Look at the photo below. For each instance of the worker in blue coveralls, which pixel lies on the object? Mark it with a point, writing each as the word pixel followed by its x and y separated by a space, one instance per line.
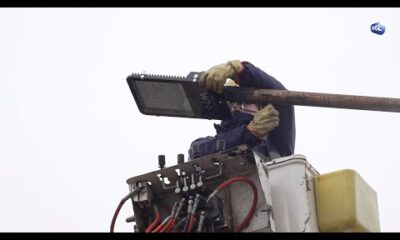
pixel 269 130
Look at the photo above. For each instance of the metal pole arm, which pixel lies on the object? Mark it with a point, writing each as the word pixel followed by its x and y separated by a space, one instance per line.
pixel 285 97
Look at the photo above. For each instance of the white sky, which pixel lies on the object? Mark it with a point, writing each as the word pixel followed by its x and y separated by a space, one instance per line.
pixel 71 134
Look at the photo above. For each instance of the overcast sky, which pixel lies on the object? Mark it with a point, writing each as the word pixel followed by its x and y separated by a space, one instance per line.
pixel 71 134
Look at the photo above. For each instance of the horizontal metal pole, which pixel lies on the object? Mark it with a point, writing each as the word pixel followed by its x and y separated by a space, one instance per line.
pixel 285 97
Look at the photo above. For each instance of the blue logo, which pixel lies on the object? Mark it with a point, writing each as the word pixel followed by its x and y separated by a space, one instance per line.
pixel 378 28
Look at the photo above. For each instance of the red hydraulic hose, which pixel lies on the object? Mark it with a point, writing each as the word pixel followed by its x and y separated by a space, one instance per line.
pixel 161 226
pixel 191 222
pixel 192 215
pixel 164 229
pixel 171 226
pixel 250 214
pixel 158 228
pixel 114 219
pixel 155 221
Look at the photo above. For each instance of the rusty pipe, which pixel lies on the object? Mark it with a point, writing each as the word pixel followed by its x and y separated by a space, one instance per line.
pixel 286 97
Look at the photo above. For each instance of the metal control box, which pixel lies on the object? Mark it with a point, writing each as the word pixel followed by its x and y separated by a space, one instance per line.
pixel 284 186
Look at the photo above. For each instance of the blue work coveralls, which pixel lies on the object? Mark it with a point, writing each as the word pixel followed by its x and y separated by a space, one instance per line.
pixel 234 132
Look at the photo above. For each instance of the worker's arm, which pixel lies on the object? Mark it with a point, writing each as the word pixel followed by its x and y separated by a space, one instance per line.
pixel 248 75
pixel 284 136
pixel 252 76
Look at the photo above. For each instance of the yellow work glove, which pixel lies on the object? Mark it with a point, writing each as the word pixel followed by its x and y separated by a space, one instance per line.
pixel 214 78
pixel 264 121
